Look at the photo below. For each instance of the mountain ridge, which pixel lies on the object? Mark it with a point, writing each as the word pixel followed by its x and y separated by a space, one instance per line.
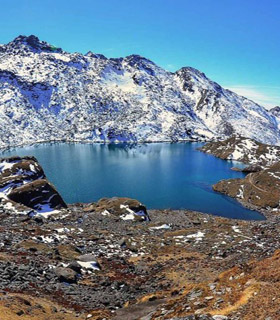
pixel 49 94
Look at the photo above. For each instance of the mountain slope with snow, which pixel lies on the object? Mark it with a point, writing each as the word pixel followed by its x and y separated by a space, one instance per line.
pixel 49 94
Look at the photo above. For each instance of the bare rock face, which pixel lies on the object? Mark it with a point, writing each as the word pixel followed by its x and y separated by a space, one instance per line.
pixel 125 208
pixel 261 189
pixel 23 181
pixel 244 150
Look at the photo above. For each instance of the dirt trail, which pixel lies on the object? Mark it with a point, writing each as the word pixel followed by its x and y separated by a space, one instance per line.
pixel 253 185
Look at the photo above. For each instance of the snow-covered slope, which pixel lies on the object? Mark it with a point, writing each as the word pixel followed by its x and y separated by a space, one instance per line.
pixel 48 94
pixel 276 113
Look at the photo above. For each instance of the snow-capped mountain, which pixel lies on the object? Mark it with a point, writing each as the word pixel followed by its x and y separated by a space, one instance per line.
pixel 49 94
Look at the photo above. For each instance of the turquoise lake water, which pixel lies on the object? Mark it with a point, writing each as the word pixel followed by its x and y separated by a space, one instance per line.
pixel 161 175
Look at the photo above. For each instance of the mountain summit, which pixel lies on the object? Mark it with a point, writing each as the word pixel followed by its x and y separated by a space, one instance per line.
pixel 32 43
pixel 48 94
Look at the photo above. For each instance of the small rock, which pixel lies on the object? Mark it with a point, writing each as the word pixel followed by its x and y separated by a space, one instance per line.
pixel 219 317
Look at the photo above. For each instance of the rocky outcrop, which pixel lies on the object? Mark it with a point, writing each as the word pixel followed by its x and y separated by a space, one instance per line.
pixel 23 181
pixel 125 208
pixel 37 194
pixel 15 170
pixel 260 189
pixel 248 169
pixel 275 111
pixel 244 150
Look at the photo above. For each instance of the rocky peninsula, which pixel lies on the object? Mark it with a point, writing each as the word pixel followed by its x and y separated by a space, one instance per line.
pixel 260 188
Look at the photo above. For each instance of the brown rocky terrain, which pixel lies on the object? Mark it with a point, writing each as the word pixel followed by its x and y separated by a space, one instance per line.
pixel 260 189
pixel 180 265
pixel 244 150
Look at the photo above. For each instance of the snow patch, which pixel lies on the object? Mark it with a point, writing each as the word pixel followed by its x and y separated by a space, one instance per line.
pixel 92 265
pixel 164 226
pixel 236 229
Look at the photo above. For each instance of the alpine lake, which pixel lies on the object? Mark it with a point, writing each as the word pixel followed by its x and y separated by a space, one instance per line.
pixel 160 175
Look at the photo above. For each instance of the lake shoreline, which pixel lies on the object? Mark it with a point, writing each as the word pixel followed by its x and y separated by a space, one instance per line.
pixel 67 141
pixel 182 176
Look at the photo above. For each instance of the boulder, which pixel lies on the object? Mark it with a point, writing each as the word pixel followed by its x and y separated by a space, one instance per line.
pixel 75 266
pixel 86 257
pixel 37 194
pixel 25 166
pixel 24 183
pixel 88 261
pixel 125 208
pixel 66 275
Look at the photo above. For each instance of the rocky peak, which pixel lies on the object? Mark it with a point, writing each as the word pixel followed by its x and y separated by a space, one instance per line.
pixel 137 59
pixel 95 55
pixel 141 63
pixel 32 43
pixel 275 111
pixel 190 76
pixel 186 71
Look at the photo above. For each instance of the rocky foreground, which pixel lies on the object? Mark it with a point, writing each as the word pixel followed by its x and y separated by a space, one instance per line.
pixel 89 263
pixel 115 260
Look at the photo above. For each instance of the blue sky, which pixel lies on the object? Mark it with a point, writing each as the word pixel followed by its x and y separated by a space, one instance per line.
pixel 235 42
